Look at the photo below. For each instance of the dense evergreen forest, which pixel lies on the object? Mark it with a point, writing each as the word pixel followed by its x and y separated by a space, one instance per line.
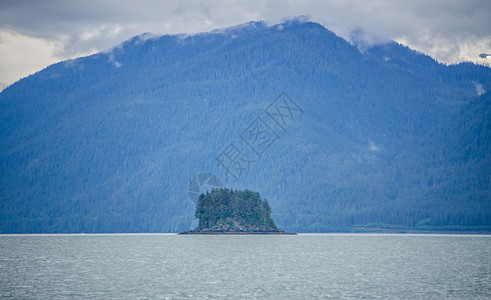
pixel 388 138
pixel 226 210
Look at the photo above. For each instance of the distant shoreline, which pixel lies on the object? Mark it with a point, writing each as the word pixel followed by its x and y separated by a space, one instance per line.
pixel 456 233
pixel 412 231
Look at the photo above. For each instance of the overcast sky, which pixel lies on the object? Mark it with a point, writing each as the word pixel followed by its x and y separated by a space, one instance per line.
pixel 35 34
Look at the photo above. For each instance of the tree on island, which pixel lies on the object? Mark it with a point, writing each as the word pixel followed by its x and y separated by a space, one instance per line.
pixel 224 210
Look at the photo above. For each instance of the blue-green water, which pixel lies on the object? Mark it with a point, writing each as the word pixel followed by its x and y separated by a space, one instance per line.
pixel 273 267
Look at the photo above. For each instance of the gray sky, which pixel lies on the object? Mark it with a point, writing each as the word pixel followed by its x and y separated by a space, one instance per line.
pixel 34 34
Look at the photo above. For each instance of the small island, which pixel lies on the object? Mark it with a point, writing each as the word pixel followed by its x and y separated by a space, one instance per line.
pixel 225 211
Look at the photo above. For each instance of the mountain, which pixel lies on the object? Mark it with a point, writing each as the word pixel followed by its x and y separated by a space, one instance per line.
pixel 336 139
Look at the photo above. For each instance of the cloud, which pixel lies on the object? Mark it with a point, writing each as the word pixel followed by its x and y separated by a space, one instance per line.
pixel 113 60
pixel 479 88
pixel 22 55
pixel 449 30
pixel 373 147
pixel 363 40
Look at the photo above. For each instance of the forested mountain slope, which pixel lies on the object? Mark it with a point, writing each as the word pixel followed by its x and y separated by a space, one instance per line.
pixel 385 137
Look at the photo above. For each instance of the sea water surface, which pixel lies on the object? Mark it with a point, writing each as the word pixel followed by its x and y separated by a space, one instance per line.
pixel 337 266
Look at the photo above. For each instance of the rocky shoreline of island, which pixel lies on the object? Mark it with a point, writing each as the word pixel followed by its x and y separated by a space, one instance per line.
pixel 237 233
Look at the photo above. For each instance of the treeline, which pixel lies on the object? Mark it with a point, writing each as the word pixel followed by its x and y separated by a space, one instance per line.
pixel 244 207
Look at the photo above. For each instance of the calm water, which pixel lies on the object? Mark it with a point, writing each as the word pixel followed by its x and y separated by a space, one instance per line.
pixel 296 267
